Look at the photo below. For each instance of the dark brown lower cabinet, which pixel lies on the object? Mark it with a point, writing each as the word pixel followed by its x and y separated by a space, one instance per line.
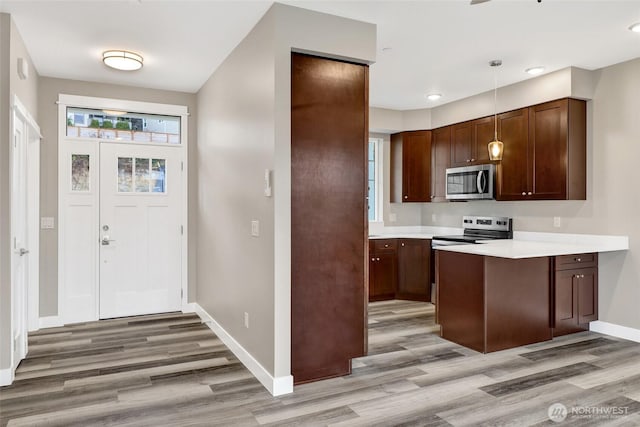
pixel 329 134
pixel 382 276
pixel 489 303
pixel 575 293
pixel 414 277
pixel 400 269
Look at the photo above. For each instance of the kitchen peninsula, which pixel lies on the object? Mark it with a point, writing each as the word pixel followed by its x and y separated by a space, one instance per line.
pixel 500 294
pixel 503 294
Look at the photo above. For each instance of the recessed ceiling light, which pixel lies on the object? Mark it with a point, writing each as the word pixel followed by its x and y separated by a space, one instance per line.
pixel 434 96
pixel 635 27
pixel 534 71
pixel 122 60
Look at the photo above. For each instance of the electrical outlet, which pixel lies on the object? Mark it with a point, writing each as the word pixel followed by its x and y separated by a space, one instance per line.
pixel 246 320
pixel 556 221
pixel 255 228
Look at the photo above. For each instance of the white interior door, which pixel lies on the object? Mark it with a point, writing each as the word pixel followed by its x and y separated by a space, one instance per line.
pixel 20 252
pixel 140 230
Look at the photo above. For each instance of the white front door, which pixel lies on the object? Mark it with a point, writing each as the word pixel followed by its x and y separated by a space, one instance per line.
pixel 140 229
pixel 20 252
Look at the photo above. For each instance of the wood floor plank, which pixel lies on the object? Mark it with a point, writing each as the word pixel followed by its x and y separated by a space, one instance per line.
pixel 171 370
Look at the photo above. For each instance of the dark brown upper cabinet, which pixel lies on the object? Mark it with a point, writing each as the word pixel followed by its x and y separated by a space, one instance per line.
pixel 440 161
pixel 469 142
pixel 513 173
pixel 545 152
pixel 411 166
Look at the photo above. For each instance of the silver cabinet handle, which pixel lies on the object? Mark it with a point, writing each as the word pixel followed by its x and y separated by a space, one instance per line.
pixel 578 259
pixel 402 244
pixel 473 160
pixel 530 193
pixel 406 197
pixel 23 251
pixel 524 193
pixel 377 259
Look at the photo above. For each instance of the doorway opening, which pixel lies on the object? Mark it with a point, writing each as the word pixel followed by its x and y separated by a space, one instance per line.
pixel 122 192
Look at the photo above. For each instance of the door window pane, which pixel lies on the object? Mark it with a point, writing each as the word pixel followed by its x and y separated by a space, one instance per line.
pixel 158 174
pixel 123 126
pixel 80 172
pixel 142 175
pixel 125 176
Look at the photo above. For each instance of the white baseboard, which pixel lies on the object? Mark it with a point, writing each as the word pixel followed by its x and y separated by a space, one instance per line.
pixel 6 376
pixel 275 385
pixel 50 322
pixel 614 330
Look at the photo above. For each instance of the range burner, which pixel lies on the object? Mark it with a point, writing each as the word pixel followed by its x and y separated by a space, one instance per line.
pixel 477 228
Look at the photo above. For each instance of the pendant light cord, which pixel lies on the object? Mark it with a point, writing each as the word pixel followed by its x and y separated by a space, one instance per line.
pixel 495 103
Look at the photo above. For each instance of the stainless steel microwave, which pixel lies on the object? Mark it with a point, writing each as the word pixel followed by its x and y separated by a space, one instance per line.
pixel 471 182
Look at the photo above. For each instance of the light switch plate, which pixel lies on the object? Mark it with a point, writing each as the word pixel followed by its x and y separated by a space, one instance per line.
pixel 255 228
pixel 47 223
pixel 557 222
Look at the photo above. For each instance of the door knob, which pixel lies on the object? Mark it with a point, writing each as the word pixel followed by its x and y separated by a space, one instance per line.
pixel 23 251
pixel 105 240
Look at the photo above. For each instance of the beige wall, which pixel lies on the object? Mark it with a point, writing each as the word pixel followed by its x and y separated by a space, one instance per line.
pixel 11 48
pixel 244 128
pixel 49 89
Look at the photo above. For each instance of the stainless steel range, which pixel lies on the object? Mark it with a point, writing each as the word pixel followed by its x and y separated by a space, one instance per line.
pixel 476 229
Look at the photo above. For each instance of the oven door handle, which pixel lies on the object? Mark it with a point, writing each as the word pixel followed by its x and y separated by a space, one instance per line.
pixel 480 182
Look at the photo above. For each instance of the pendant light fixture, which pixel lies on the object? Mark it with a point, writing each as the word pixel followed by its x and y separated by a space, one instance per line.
pixel 496 147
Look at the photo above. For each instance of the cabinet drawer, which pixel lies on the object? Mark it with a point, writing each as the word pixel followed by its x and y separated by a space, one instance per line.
pixel 381 245
pixel 568 262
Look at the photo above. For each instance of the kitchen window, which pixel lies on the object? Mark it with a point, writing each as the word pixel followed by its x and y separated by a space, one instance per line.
pixel 374 182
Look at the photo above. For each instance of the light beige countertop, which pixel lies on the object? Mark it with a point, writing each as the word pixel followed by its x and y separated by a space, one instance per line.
pixel 523 244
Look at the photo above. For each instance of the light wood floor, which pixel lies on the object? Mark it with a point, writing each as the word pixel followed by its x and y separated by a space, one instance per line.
pixel 172 370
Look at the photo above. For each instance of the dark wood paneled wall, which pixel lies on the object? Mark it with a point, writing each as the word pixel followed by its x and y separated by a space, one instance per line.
pixel 329 134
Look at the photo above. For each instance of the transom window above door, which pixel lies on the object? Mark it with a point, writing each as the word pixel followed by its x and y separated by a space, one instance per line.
pixel 122 126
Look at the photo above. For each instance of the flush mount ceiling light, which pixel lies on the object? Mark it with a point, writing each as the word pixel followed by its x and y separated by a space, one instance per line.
pixel 635 27
pixel 534 71
pixel 496 147
pixel 122 60
pixel 434 96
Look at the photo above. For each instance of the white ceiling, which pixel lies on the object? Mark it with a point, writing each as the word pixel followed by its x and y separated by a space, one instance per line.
pixel 437 46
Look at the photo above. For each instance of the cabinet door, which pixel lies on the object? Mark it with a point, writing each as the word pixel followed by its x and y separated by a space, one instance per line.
pixel 566 301
pixel 461 144
pixel 514 171
pixel 414 257
pixel 385 276
pixel 587 295
pixel 548 139
pixel 416 166
pixel 440 159
pixel 483 133
pixel 372 260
